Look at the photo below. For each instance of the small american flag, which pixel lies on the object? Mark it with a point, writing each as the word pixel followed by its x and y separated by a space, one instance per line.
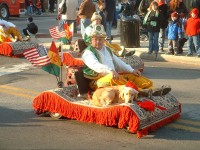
pixel 56 34
pixel 37 56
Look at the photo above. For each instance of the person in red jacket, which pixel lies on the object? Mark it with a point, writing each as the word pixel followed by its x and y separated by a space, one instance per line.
pixel 192 28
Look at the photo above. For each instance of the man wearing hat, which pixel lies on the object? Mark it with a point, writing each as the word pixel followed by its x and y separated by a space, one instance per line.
pixel 117 50
pixel 105 68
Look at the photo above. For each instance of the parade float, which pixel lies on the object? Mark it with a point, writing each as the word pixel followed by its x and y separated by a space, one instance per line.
pixel 67 101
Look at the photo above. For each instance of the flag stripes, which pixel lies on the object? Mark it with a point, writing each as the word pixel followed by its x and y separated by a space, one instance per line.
pixel 33 56
pixel 55 33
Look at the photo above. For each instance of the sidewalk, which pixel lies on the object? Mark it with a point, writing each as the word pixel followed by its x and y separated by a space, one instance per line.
pixel 140 51
pixel 44 14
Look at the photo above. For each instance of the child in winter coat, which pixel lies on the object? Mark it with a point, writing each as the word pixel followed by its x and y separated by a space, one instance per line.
pixel 192 28
pixel 173 31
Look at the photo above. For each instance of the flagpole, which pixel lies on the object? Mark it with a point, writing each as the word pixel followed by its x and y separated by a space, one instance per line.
pixel 60 51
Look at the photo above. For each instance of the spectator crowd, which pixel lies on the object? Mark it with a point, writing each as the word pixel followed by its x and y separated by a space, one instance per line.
pixel 162 19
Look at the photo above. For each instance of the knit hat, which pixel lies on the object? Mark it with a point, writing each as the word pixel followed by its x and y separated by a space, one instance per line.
pixel 132 86
pixel 96 16
pixel 30 19
pixel 98 31
pixel 174 14
pixel 195 11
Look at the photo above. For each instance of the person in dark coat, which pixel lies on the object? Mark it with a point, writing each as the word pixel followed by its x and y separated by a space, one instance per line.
pixel 51 6
pixel 109 15
pixel 177 6
pixel 125 9
pixel 163 9
pixel 101 7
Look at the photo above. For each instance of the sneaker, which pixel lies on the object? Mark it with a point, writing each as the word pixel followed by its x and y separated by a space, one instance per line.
pixel 27 38
pixel 149 52
pixel 161 50
pixel 198 56
pixel 189 55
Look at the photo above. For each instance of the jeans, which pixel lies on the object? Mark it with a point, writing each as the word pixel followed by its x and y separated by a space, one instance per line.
pixel 39 11
pixel 161 38
pixel 193 41
pixel 29 10
pixel 108 28
pixel 153 41
pixel 84 23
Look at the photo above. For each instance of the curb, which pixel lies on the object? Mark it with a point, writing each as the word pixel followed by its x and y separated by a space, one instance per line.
pixel 168 58
pixel 47 14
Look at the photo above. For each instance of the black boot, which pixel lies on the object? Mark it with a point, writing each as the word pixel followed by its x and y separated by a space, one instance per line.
pixel 161 91
pixel 130 53
pixel 165 89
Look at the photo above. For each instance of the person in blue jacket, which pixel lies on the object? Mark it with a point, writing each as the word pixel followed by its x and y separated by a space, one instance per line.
pixel 173 31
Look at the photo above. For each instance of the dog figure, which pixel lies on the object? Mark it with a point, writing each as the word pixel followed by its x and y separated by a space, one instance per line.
pixel 103 97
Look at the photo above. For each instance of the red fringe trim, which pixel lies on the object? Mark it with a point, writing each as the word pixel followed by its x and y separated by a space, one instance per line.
pixel 120 116
pixel 157 125
pixel 5 49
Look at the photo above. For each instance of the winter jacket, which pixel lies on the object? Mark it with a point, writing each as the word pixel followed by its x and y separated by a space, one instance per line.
pixel 86 9
pixel 174 30
pixel 192 25
pixel 164 9
pixel 153 21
